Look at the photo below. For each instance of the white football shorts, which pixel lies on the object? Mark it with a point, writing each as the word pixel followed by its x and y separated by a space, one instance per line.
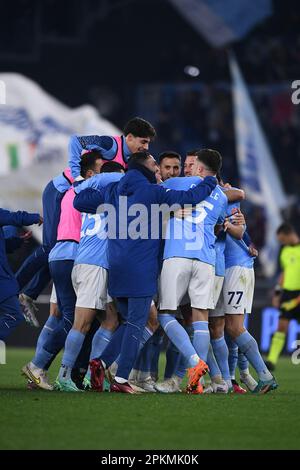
pixel 237 293
pixel 183 275
pixel 90 285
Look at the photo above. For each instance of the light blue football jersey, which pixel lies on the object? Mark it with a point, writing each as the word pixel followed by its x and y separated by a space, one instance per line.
pixel 92 247
pixel 99 181
pixel 220 257
pixel 61 183
pixel 193 237
pixel 236 251
pixel 63 251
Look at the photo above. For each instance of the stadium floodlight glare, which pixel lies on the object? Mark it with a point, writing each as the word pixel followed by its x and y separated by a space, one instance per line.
pixel 191 70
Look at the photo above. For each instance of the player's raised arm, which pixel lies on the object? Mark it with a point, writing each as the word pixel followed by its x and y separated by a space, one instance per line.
pixel 99 181
pixel 193 196
pixel 234 194
pixel 105 144
pixel 89 200
pixel 235 224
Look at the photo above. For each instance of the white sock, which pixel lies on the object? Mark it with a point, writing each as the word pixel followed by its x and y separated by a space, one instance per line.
pixel 33 366
pixel 194 359
pixel 229 383
pixel 265 375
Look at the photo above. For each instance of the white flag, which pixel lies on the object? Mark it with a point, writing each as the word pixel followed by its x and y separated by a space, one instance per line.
pixel 221 22
pixel 35 129
pixel 258 173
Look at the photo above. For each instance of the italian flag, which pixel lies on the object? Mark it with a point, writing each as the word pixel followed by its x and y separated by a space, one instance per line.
pixel 13 155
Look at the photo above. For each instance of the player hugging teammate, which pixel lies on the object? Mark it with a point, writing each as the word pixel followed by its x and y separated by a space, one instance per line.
pixel 105 311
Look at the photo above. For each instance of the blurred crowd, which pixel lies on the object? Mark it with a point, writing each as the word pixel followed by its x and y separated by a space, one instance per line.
pixel 190 112
pixel 188 116
pixel 191 115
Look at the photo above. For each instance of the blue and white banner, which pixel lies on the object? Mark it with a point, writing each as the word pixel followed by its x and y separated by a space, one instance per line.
pixel 258 173
pixel 35 129
pixel 223 21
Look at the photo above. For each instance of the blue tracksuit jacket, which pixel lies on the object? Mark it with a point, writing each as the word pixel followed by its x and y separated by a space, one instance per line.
pixel 134 263
pixel 8 283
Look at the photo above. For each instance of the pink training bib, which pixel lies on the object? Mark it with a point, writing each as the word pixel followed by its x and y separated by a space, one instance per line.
pixel 119 158
pixel 70 219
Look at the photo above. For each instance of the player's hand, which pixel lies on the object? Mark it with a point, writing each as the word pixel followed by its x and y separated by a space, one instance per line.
pixel 182 213
pixel 226 225
pixel 40 221
pixel 253 251
pixel 237 217
pixel 26 236
pixel 225 185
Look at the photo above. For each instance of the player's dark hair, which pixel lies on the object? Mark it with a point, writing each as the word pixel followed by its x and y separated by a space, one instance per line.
pixel 192 153
pixel 139 128
pixel 88 161
pixel 169 154
pixel 138 158
pixel 137 162
pixel 211 158
pixel 285 228
pixel 110 167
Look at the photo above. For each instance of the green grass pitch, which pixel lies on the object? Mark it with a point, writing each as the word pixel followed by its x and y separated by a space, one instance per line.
pixel 55 420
